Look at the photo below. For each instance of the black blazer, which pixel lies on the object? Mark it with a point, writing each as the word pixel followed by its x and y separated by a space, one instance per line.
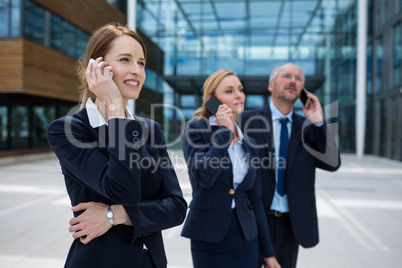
pixel 205 149
pixel 124 163
pixel 309 148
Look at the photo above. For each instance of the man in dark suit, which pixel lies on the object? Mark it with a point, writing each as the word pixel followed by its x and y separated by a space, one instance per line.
pixel 291 148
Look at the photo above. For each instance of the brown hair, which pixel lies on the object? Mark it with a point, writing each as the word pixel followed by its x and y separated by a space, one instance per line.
pixel 98 45
pixel 209 88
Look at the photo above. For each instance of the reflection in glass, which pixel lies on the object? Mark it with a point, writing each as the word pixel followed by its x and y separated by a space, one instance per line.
pixel 64 37
pixel 15 18
pixel 56 33
pixel 68 39
pixel 254 101
pixel 369 68
pixel 187 101
pixel 3 127
pixel 19 134
pixel 379 64
pixel 397 54
pixel 81 42
pixel 41 118
pixel 34 22
pixel 4 17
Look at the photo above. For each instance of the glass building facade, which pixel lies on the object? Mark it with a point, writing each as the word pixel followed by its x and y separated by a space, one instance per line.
pixel 250 37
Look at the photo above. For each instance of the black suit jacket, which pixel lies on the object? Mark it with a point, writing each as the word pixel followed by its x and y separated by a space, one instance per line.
pixel 124 163
pixel 310 147
pixel 205 149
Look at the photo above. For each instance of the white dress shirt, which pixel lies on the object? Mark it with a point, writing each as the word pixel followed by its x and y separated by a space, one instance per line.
pixel 237 156
pixel 95 117
pixel 279 203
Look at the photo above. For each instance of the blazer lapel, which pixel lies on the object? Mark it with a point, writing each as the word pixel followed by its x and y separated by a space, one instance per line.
pixel 230 168
pixel 99 134
pixel 269 138
pixel 249 155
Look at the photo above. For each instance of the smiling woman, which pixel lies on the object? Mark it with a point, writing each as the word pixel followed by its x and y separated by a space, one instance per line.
pixel 120 209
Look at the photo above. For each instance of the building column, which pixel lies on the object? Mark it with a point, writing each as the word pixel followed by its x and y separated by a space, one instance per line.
pixel 132 24
pixel 361 77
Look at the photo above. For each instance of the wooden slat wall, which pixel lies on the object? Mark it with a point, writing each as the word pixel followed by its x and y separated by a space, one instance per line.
pixel 86 14
pixel 48 73
pixel 11 65
pixel 29 68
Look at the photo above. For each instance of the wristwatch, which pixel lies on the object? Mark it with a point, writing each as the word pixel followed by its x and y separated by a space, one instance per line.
pixel 109 215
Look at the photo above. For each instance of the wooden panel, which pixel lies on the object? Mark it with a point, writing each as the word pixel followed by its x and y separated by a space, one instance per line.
pixel 11 65
pixel 48 73
pixel 86 14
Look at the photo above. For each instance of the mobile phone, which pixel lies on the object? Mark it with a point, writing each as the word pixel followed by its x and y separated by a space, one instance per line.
pixel 213 104
pixel 304 99
pixel 92 61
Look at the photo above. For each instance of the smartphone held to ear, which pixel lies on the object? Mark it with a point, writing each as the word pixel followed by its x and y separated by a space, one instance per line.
pixel 213 104
pixel 110 73
pixel 304 99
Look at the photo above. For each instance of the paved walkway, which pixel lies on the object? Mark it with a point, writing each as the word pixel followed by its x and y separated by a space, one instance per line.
pixel 359 207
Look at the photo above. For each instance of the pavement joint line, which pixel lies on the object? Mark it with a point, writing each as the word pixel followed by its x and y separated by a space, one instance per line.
pixel 355 228
pixel 26 204
pixel 31 189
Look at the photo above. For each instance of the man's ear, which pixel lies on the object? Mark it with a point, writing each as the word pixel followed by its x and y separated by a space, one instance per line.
pixel 270 86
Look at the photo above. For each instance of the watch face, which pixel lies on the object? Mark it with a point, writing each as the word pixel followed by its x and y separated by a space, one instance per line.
pixel 109 214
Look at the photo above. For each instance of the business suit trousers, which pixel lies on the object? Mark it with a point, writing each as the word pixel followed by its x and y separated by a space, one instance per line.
pixel 284 242
pixel 147 260
pixel 233 251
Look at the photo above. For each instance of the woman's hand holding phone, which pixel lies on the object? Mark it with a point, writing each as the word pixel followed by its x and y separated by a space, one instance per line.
pixel 224 117
pixel 104 87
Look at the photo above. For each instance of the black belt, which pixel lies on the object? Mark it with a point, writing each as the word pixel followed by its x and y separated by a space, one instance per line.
pixel 278 214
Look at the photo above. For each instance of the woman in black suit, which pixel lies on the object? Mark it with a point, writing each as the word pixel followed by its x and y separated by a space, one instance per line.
pixel 226 222
pixel 117 171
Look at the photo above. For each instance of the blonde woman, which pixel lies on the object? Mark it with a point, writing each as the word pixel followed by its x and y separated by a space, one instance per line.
pixel 226 222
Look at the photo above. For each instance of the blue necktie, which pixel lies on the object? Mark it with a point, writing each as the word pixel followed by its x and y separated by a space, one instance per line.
pixel 283 154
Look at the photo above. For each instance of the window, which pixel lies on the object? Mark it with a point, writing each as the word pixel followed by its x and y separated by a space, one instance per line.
pixel 63 36
pixel 379 64
pixel 10 18
pixel 187 101
pixel 34 23
pixel 15 18
pixel 19 134
pixel 68 39
pixel 56 32
pixel 397 54
pixel 3 127
pixel 369 69
pixel 383 128
pixel 41 118
pixel 255 101
pixel 4 16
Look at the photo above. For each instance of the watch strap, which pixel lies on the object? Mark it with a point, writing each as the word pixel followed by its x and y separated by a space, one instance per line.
pixel 109 215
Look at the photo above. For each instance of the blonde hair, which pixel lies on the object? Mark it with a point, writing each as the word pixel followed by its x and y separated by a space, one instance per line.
pixel 98 46
pixel 209 88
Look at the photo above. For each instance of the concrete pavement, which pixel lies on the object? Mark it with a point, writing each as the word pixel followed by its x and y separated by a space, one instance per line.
pixel 359 207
